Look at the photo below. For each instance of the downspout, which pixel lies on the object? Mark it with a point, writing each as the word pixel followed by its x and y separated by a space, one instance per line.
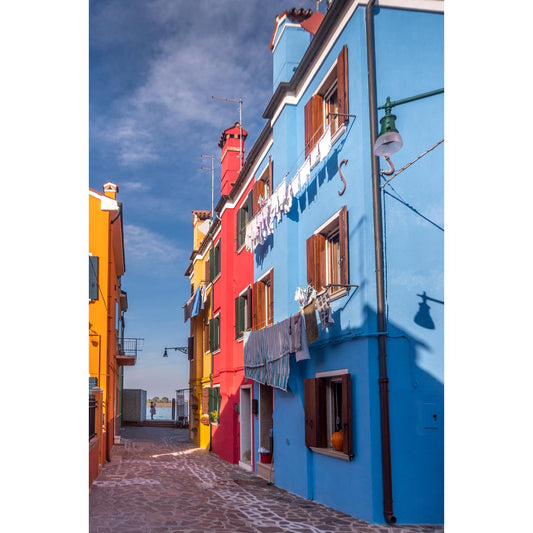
pixel 380 277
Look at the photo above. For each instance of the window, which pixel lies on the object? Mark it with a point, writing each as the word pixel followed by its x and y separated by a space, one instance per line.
pixel 327 255
pixel 262 187
pixel 93 277
pixel 243 312
pixel 214 261
pixel 244 215
pixel 190 348
pixel 214 333
pixel 263 301
pixel 328 409
pixel 329 104
pixel 214 405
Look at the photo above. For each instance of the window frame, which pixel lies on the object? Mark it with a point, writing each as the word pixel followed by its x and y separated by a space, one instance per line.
pixel 320 248
pixel 318 398
pixel 263 301
pixel 316 110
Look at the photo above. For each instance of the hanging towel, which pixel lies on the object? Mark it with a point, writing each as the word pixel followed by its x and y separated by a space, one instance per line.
pixel 324 144
pixel 295 335
pixel 311 327
pixel 323 305
pixel 303 353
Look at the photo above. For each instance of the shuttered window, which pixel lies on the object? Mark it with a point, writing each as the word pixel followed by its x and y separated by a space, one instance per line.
pixel 263 301
pixel 214 333
pixel 329 105
pixel 243 313
pixel 190 348
pixel 93 277
pixel 328 409
pixel 327 255
pixel 214 404
pixel 214 262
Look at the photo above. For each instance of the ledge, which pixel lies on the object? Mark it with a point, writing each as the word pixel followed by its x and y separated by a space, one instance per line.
pixel 331 453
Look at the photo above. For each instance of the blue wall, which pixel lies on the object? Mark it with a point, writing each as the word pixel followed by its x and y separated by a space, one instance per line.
pixel 409 61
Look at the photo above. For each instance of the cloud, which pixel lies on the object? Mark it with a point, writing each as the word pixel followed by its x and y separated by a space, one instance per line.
pixel 149 252
pixel 202 51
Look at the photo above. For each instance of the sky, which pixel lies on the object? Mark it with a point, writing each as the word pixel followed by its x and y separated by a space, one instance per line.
pixel 154 67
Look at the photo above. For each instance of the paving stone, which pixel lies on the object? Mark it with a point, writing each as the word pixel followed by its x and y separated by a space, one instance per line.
pixel 158 482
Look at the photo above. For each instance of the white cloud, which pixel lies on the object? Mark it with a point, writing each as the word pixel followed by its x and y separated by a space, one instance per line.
pixel 149 252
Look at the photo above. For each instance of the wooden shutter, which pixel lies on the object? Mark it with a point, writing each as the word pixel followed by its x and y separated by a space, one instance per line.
pixel 347 425
pixel 190 348
pixel 241 227
pixel 316 261
pixel 250 205
pixel 207 273
pixel 343 247
pixel 217 259
pixel 314 121
pixel 259 305
pixel 239 316
pixel 205 401
pixel 315 413
pixel 257 190
pixel 270 176
pixel 270 310
pixel 93 277
pixel 342 83
pixel 211 264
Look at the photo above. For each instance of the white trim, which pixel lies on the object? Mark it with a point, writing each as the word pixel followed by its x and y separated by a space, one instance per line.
pixel 327 222
pixel 106 203
pixel 436 6
pixel 286 25
pixel 331 373
pixel 265 275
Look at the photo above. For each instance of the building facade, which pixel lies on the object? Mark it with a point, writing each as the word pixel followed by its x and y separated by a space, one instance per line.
pixel 107 305
pixel 340 380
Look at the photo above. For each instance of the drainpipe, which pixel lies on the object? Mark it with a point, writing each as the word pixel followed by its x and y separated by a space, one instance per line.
pixel 380 277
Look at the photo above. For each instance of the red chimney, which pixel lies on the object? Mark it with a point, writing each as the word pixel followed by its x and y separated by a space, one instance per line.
pixel 232 147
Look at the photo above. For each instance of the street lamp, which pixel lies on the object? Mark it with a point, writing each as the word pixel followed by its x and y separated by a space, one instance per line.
pixel 183 349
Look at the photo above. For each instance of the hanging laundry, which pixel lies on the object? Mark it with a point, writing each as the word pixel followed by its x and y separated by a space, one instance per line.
pixel 323 305
pixel 305 173
pixel 311 327
pixel 314 157
pixel 303 353
pixel 324 144
pixel 295 335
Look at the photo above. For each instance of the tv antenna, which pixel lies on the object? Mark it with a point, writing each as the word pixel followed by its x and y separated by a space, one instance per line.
pixel 239 101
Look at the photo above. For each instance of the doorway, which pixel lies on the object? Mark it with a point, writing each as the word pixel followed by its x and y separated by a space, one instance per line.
pixel 245 421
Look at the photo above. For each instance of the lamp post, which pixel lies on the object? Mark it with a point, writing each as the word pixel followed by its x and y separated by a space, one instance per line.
pixel 183 349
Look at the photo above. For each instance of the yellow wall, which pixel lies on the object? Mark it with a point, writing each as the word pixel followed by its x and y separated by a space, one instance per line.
pixel 105 242
pixel 200 366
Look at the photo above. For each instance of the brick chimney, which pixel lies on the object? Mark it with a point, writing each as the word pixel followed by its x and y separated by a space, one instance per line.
pixel 231 147
pixel 110 190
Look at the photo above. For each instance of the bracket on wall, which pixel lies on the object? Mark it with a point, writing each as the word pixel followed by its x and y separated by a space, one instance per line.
pixel 343 162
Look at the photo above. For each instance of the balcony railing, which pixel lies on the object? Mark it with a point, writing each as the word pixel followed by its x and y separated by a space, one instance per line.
pixel 127 351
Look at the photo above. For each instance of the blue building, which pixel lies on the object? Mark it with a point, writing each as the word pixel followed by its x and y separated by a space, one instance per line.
pixel 361 236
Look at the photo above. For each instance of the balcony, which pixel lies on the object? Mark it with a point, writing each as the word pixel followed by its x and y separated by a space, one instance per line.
pixel 127 351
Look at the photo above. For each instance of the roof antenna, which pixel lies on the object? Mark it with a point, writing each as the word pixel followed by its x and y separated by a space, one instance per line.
pixel 239 101
pixel 212 169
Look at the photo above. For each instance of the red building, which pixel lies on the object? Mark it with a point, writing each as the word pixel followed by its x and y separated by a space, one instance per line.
pixel 232 278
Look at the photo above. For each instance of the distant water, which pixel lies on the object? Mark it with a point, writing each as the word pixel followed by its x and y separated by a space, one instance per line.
pixel 161 413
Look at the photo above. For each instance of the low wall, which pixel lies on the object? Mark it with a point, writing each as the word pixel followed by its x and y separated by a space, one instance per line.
pixel 94 463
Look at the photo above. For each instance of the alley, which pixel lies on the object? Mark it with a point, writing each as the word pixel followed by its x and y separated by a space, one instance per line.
pixel 158 482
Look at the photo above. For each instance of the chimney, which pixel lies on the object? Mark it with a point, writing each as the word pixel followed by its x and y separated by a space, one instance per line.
pixel 231 146
pixel 290 40
pixel 110 190
pixel 201 222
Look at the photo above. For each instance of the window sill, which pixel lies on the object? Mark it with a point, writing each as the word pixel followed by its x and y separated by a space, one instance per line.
pixel 335 295
pixel 332 453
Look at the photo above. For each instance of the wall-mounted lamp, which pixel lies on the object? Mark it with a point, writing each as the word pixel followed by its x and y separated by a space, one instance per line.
pixel 389 140
pixel 183 349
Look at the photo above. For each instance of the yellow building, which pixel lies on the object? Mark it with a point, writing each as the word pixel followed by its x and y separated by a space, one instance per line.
pixel 107 304
pixel 200 378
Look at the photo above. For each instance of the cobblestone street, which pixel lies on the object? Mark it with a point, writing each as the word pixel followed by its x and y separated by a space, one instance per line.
pixel 158 482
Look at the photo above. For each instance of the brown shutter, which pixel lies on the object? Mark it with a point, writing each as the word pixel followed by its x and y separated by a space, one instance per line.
pixel 205 401
pixel 270 176
pixel 206 273
pixel 320 265
pixel 343 247
pixel 259 305
pixel 318 118
pixel 315 414
pixel 270 318
pixel 342 83
pixel 347 425
pixel 310 245
pixel 257 190
pixel 308 115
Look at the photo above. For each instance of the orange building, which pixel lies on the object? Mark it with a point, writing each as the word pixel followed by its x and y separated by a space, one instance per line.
pixel 107 304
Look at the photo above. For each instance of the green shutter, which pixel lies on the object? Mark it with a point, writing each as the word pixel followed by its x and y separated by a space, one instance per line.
pixel 93 277
pixel 217 259
pixel 214 334
pixel 211 264
pixel 241 226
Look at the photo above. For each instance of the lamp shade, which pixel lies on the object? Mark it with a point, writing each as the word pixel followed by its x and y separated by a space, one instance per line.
pixel 165 354
pixel 389 140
